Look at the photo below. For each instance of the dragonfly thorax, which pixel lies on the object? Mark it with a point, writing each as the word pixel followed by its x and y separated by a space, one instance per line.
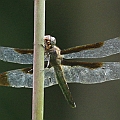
pixel 52 51
pixel 55 56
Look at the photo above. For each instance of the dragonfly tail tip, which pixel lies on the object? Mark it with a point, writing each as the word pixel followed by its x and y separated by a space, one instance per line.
pixel 73 105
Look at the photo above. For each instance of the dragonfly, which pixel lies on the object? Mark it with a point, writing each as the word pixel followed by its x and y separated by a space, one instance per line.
pixel 63 66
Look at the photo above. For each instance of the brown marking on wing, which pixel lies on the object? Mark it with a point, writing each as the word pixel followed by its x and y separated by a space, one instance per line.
pixel 3 79
pixel 83 47
pixel 90 65
pixel 28 70
pixel 24 51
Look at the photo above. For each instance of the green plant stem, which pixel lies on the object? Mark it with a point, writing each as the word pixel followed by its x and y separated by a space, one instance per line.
pixel 38 64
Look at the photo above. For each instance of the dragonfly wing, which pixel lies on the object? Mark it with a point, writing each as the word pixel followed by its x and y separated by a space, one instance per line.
pixel 50 78
pixel 17 78
pixel 15 55
pixel 24 78
pixel 108 48
pixel 107 72
pixel 75 74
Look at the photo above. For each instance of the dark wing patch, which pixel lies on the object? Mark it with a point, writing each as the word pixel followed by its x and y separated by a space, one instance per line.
pixel 90 65
pixel 4 79
pixel 24 51
pixel 83 47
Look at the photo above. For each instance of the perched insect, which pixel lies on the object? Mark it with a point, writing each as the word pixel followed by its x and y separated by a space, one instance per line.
pixel 60 66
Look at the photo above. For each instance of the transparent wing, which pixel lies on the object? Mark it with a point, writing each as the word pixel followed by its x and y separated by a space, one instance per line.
pixel 108 48
pixel 77 74
pixel 24 78
pixel 16 55
pixel 21 56
pixel 109 71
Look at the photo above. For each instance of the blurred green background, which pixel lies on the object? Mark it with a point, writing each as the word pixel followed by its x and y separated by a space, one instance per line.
pixel 72 23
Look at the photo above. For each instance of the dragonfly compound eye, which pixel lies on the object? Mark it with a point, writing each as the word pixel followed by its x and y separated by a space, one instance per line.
pixel 53 41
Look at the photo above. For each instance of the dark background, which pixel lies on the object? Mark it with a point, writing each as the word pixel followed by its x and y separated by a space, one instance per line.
pixel 72 23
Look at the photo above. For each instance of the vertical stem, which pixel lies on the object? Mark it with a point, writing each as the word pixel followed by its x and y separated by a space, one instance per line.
pixel 38 65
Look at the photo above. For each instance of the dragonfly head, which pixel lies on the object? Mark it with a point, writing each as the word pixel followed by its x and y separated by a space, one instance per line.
pixel 49 41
